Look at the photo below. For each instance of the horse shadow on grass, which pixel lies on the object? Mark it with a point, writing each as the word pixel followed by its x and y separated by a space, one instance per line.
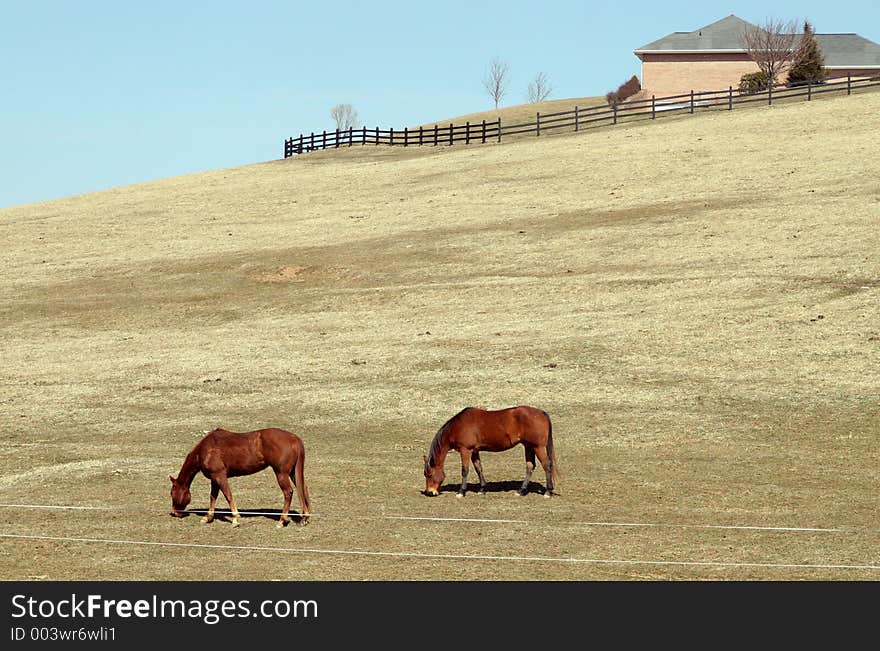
pixel 510 486
pixel 225 515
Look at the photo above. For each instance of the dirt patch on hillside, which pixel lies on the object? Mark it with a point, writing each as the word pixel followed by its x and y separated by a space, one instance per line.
pixel 73 470
pixel 285 274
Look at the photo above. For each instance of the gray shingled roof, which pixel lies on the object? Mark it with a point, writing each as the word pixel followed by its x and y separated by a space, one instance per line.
pixel 848 50
pixel 840 50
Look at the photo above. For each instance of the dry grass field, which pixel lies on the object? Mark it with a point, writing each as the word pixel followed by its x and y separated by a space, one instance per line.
pixel 694 302
pixel 523 113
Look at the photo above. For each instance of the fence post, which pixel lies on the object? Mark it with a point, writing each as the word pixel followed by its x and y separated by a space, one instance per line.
pixel 483 140
pixel 377 136
pixel 450 134
pixel 809 90
pixel 499 129
pixel 391 137
pixel 324 140
pixel 467 132
pixel 363 136
pixel 300 144
pixel 692 101
pixel 730 98
pixel 420 136
pixel 405 136
pixel 350 133
pixel 336 144
pixel 575 118
pixel 769 94
pixel 436 131
pixel 538 124
pixel 614 109
pixel 312 148
pixel 653 107
pixel 849 83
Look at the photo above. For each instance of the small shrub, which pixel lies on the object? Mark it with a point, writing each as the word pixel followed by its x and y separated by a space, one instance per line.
pixel 624 91
pixel 753 82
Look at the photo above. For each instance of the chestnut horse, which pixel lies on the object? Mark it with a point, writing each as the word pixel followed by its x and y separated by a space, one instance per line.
pixel 222 454
pixel 473 430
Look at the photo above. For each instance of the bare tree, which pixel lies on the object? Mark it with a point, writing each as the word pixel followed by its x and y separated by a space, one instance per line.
pixel 345 117
pixel 771 45
pixel 496 80
pixel 539 88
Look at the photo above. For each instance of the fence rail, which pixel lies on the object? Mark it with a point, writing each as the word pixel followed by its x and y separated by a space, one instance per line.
pixel 483 132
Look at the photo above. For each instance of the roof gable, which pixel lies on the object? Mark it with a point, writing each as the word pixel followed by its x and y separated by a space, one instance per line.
pixel 724 34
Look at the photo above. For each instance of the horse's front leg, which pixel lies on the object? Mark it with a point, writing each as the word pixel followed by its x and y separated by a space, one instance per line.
pixel 227 493
pixel 215 491
pixel 465 466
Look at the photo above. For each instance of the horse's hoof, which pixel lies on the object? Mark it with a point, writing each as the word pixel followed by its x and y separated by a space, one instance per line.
pixel 547 495
pixel 520 494
pixel 279 525
pixel 459 495
pixel 235 523
pixel 207 520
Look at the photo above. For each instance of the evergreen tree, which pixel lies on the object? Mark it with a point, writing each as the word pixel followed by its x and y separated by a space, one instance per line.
pixel 808 65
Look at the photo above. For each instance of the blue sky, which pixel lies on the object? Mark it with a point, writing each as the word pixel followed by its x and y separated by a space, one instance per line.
pixel 101 94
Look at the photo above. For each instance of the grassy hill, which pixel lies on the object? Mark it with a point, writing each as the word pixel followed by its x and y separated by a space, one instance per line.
pixel 524 112
pixel 693 302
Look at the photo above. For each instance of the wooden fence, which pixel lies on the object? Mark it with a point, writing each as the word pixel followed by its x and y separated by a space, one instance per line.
pixel 579 118
pixel 437 135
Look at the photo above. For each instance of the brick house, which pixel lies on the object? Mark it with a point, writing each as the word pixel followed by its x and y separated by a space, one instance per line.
pixel 713 58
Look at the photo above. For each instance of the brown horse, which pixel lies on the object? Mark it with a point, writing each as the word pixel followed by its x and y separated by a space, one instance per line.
pixel 474 430
pixel 222 454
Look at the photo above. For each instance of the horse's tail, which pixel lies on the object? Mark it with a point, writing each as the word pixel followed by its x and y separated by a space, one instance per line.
pixel 299 479
pixel 551 452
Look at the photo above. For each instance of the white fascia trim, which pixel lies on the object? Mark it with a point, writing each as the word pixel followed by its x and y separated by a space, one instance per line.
pixel 686 51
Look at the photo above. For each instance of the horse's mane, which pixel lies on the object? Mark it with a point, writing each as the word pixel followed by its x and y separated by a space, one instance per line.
pixel 438 437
